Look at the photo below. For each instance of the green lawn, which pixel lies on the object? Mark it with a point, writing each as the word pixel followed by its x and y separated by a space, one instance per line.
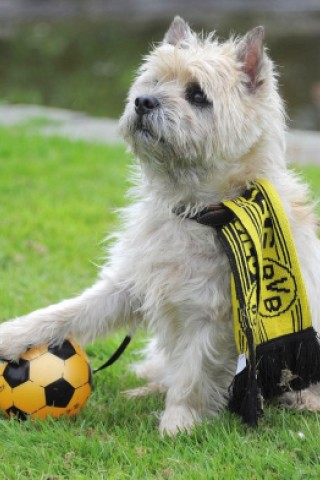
pixel 56 205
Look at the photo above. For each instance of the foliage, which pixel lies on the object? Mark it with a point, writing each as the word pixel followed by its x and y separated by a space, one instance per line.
pixel 82 65
pixel 88 63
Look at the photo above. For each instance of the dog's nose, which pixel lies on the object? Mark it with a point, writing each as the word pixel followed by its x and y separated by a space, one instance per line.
pixel 145 104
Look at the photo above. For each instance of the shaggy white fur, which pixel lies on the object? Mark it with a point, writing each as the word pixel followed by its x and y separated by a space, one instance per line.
pixel 203 118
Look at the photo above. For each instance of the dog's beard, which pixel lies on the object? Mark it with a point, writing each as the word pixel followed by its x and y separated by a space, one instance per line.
pixel 154 140
pixel 171 163
pixel 148 130
pixel 145 132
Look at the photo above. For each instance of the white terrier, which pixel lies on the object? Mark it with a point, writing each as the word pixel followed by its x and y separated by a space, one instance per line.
pixel 204 119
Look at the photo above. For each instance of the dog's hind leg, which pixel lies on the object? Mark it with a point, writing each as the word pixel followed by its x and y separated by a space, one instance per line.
pixel 153 368
pixel 308 399
pixel 95 312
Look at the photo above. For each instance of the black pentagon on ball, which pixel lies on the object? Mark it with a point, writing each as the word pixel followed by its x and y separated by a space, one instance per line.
pixel 17 373
pixel 64 351
pixel 59 393
pixel 16 412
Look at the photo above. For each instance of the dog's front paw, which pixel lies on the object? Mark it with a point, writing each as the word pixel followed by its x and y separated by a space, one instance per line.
pixel 11 352
pixel 178 418
pixel 12 343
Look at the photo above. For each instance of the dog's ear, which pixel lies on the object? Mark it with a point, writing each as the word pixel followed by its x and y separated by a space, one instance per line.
pixel 250 53
pixel 178 31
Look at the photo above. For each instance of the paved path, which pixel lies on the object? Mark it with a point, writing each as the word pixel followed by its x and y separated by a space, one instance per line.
pixel 57 121
pixel 303 146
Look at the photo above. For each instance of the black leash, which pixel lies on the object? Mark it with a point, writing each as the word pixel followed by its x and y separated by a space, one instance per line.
pixel 116 354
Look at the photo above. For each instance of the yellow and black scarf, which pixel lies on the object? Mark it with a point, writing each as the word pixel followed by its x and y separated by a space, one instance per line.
pixel 272 323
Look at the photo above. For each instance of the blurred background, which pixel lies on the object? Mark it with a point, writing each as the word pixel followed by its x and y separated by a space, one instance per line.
pixel 82 54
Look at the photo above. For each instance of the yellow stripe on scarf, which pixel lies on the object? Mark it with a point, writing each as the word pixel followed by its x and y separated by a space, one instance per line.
pixel 267 287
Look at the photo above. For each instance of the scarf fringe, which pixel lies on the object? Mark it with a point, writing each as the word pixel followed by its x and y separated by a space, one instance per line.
pixel 290 362
pixel 245 398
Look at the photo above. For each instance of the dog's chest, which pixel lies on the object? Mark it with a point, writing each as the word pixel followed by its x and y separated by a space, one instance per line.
pixel 176 265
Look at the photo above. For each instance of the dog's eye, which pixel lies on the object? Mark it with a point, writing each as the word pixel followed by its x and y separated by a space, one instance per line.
pixel 196 96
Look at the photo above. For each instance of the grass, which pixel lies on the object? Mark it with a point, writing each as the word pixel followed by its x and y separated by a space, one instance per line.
pixel 56 205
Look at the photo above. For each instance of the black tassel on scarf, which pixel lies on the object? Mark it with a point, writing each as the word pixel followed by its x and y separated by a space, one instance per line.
pixel 289 363
pixel 245 397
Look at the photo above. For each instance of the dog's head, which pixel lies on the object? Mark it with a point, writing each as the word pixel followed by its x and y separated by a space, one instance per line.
pixel 198 103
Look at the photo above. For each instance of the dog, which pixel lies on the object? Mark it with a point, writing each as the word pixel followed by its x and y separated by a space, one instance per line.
pixel 203 119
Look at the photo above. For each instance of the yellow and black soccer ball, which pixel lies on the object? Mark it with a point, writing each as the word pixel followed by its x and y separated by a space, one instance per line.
pixel 47 381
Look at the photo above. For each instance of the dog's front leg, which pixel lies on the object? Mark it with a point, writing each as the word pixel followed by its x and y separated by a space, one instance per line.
pixel 201 370
pixel 95 312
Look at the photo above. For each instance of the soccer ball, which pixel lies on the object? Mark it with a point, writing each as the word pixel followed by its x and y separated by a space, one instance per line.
pixel 47 381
